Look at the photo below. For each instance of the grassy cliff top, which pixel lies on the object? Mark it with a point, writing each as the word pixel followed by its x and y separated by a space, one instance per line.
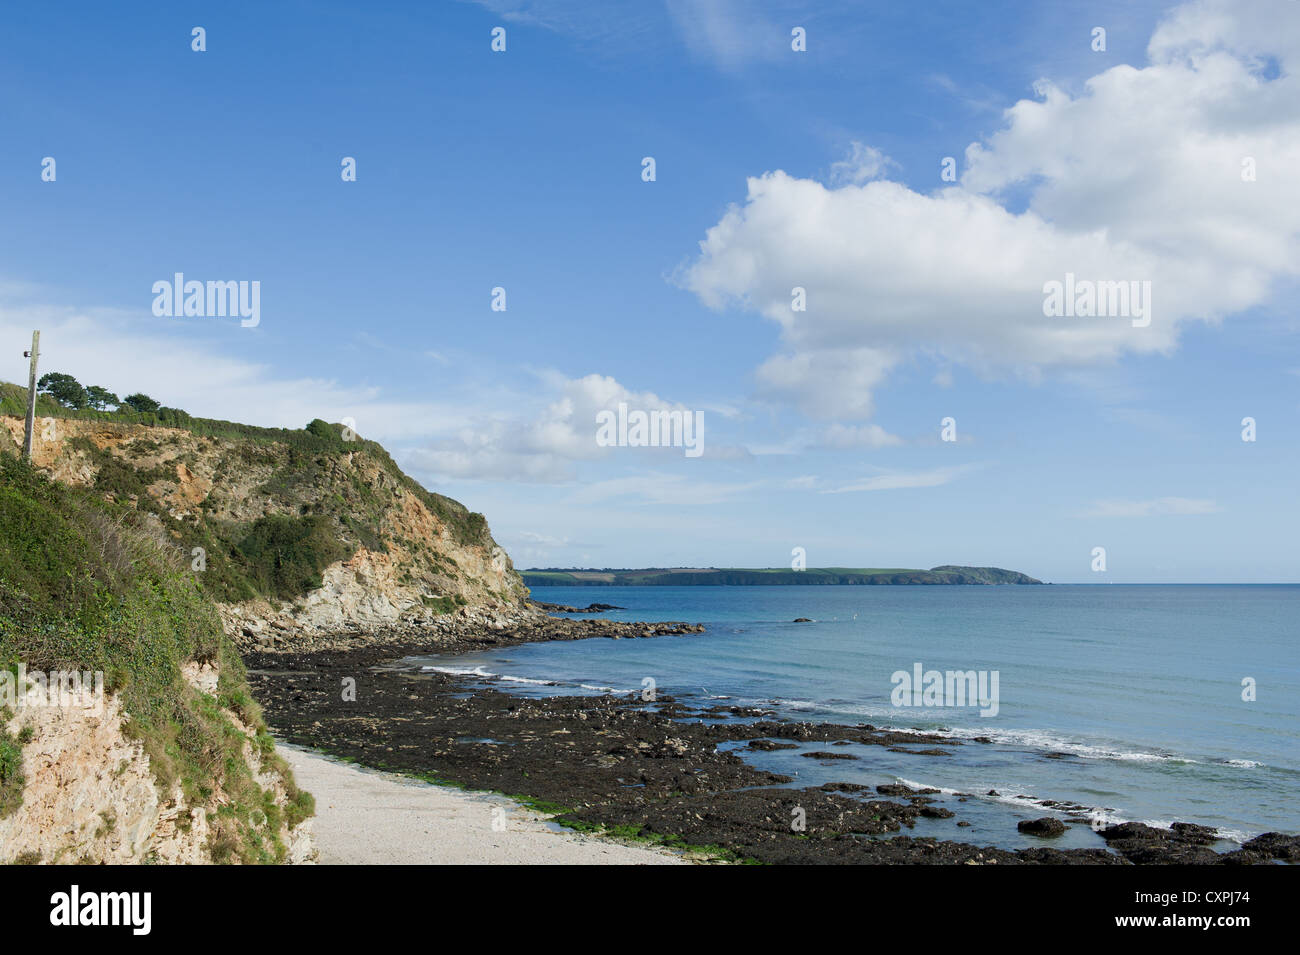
pixel 270 509
pixel 316 438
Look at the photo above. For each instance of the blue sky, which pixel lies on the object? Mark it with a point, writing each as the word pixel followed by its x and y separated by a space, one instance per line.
pixel 522 169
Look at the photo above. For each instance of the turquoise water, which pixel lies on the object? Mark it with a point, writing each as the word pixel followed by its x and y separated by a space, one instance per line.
pixel 1126 700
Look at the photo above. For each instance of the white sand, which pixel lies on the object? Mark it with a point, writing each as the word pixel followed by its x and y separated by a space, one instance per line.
pixel 365 817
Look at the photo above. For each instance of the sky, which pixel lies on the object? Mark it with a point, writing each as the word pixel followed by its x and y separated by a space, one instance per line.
pixel 1170 158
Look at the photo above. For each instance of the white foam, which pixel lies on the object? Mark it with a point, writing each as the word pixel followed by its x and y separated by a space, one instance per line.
pixel 1044 739
pixel 1097 817
pixel 459 671
pixel 524 679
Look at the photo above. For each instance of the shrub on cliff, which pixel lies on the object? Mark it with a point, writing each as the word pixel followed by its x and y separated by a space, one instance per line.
pixel 86 585
pixel 285 555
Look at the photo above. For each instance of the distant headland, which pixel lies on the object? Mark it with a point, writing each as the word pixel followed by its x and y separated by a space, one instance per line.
pixel 749 576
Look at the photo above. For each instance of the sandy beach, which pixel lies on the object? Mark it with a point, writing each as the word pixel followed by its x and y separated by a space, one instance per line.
pixel 364 817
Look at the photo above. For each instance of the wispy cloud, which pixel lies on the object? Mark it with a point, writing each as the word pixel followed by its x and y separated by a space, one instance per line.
pixel 659 488
pixel 729 33
pixel 978 99
pixel 595 26
pixel 200 371
pixel 1159 507
pixel 895 480
pixel 862 164
pixel 532 537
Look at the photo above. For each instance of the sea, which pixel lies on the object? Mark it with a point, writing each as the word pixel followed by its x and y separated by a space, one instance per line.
pixel 1114 703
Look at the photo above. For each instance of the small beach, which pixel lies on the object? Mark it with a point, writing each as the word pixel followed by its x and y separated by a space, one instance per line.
pixel 366 817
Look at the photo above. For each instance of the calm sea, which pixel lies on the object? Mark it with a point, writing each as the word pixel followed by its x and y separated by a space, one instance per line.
pixel 1126 700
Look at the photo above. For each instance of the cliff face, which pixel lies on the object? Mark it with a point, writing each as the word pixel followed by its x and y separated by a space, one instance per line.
pixel 290 531
pixel 91 795
pixel 127 729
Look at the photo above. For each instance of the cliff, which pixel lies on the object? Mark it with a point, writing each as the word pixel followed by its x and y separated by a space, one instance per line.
pixel 300 532
pixel 127 731
pixel 138 551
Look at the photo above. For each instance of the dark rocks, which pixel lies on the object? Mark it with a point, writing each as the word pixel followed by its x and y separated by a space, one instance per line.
pixel 1134 831
pixel 1276 845
pixel 894 789
pixel 565 608
pixel 456 635
pixel 1146 845
pixel 803 620
pixel 1045 828
pixel 824 754
pixel 767 745
pixel 843 788
pixel 1193 833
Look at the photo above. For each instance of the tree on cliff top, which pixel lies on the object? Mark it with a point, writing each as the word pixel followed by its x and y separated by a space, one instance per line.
pixel 64 389
pixel 141 403
pixel 101 399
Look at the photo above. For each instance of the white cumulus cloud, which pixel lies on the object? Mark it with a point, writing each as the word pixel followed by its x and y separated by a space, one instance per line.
pixel 1137 178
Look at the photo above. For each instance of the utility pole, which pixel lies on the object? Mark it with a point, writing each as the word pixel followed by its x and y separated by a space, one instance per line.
pixel 35 355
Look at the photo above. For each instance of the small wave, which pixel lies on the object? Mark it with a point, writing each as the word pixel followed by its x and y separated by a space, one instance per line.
pixel 458 671
pixel 601 689
pixel 839 709
pixel 1034 739
pixel 1097 817
pixel 524 679
pixel 1044 740
pixel 1040 740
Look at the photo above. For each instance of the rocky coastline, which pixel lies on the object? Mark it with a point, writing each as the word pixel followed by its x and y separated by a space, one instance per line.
pixel 658 770
pixel 469 629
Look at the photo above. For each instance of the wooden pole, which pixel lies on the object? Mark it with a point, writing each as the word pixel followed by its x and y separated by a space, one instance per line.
pixel 31 397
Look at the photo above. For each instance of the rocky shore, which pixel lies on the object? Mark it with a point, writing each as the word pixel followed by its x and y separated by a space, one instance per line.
pixel 654 770
pixel 465 631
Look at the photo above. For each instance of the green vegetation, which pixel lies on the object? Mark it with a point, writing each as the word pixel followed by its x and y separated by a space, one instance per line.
pixel 68 392
pixel 141 404
pixel 567 816
pixel 63 388
pixel 328 511
pixel 12 779
pixel 101 399
pixel 444 604
pixel 319 438
pixel 285 555
pixel 747 577
pixel 638 833
pixel 90 585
